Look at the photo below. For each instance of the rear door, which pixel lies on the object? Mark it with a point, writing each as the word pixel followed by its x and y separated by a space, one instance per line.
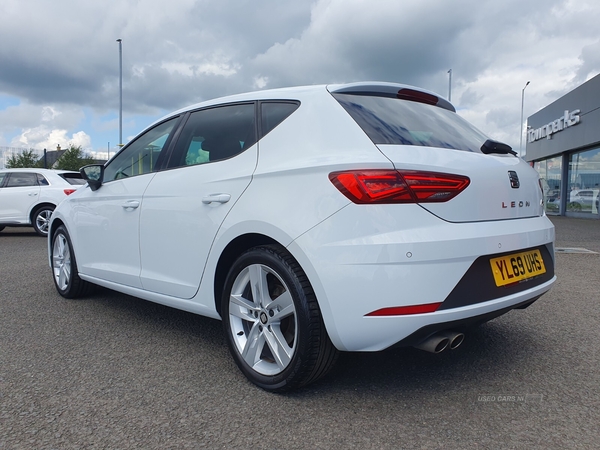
pixel 184 206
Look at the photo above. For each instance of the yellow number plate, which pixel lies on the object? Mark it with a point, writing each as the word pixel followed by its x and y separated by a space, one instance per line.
pixel 519 266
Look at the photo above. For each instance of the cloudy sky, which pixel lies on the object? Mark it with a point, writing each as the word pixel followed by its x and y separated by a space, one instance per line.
pixel 59 60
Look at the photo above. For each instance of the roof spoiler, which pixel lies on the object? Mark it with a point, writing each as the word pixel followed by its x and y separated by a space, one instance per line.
pixel 392 90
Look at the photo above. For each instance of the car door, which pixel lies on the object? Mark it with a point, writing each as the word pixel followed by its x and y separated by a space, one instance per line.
pixel 107 221
pixel 184 206
pixel 19 194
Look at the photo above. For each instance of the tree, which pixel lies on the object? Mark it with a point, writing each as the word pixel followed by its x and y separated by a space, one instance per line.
pixel 26 159
pixel 73 159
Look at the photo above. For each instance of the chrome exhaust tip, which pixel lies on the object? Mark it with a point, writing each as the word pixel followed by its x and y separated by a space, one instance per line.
pixel 456 339
pixel 434 344
pixel 439 342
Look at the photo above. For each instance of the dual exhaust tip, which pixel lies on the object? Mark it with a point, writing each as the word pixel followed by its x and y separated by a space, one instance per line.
pixel 439 342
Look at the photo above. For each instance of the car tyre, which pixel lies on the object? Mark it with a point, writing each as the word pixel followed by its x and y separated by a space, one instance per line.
pixel 64 266
pixel 41 219
pixel 273 323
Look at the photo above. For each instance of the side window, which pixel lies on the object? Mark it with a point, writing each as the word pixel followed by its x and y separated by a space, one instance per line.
pixel 42 181
pixel 273 113
pixel 18 179
pixel 141 155
pixel 2 177
pixel 215 134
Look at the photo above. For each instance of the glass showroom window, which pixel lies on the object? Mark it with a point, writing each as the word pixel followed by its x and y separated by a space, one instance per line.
pixel 584 181
pixel 550 170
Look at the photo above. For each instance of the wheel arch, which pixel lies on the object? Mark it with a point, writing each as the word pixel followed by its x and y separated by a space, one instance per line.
pixel 38 206
pixel 230 253
pixel 54 224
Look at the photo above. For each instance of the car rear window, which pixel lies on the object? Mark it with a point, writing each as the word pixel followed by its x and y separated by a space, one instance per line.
pixel 74 178
pixel 388 120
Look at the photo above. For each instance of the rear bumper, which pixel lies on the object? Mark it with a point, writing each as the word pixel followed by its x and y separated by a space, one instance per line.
pixel 360 269
pixel 461 325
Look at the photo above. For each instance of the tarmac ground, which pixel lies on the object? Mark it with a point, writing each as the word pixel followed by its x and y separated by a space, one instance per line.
pixel 113 372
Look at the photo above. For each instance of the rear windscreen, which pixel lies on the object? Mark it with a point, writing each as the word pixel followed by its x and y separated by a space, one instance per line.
pixel 388 120
pixel 74 178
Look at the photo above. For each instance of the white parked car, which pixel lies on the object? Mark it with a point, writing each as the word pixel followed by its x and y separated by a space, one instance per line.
pixel 28 196
pixel 313 220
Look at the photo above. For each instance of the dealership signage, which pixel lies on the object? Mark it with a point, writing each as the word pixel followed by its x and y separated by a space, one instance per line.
pixel 567 120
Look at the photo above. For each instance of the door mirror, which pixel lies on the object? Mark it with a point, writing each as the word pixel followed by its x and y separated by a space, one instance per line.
pixel 93 174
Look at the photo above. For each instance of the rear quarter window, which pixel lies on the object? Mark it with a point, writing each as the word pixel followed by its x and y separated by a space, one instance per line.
pixel 388 120
pixel 273 113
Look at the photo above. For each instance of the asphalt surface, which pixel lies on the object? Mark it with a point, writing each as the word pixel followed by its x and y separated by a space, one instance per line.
pixel 114 372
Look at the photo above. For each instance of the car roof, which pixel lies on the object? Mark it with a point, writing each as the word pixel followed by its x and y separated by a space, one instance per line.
pixel 303 92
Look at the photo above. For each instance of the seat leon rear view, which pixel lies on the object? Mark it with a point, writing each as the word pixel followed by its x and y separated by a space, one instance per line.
pixel 313 220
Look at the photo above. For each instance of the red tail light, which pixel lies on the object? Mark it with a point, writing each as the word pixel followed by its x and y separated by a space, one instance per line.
pixel 69 191
pixel 391 186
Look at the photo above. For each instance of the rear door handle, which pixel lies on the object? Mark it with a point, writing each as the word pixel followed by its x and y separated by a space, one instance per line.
pixel 216 198
pixel 130 204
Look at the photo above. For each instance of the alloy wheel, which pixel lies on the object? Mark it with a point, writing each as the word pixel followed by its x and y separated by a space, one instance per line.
pixel 61 262
pixel 263 319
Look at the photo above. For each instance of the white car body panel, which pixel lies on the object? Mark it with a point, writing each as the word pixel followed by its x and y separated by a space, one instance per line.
pixel 17 203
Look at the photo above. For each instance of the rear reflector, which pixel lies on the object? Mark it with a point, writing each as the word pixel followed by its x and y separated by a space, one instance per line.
pixel 392 186
pixel 405 310
pixel 69 191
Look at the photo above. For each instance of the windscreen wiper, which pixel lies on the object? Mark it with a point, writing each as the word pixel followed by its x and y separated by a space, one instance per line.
pixel 491 146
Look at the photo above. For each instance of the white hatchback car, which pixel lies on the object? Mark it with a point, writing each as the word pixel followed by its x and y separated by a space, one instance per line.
pixel 28 196
pixel 313 220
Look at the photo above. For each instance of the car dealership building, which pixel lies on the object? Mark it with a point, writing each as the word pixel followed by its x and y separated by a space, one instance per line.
pixel 563 143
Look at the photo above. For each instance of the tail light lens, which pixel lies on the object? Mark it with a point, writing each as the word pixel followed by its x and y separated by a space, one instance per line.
pixel 69 191
pixel 405 310
pixel 394 186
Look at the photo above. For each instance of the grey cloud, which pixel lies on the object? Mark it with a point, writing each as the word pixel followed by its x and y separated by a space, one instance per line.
pixel 184 51
pixel 590 62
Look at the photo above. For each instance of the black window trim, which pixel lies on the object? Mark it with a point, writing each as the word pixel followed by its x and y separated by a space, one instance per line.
pixel 165 159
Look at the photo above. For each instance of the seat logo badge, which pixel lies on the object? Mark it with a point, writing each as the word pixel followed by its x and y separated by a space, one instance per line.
pixel 514 179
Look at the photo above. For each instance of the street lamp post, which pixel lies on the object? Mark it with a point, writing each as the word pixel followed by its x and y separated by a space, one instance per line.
pixel 120 93
pixel 450 85
pixel 522 104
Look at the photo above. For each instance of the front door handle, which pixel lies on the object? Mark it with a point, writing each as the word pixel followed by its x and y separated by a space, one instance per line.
pixel 216 198
pixel 130 204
